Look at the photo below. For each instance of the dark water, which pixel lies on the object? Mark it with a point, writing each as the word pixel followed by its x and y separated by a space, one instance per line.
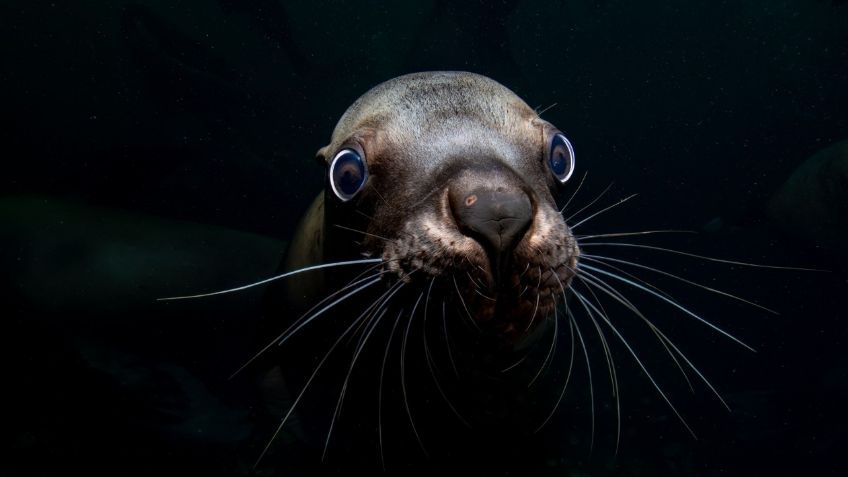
pixel 156 148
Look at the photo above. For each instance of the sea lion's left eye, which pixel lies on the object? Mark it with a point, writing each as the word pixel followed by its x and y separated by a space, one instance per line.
pixel 561 158
pixel 347 174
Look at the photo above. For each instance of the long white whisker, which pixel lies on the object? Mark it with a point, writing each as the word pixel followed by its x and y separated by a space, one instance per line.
pixel 304 320
pixel 625 273
pixel 600 284
pixel 610 370
pixel 664 340
pixel 277 277
pixel 602 260
pixel 357 351
pixel 380 395
pixel 447 340
pixel 362 232
pixel 403 375
pixel 621 338
pixel 376 308
pixel 428 356
pixel 573 194
pixel 464 307
pixel 581 238
pixel 535 310
pixel 382 300
pixel 550 354
pixel 591 381
pixel 602 211
pixel 702 257
pixel 568 219
pixel 567 376
pixel 539 113
pixel 515 364
pixel 667 300
pixel 306 386
pixel 610 364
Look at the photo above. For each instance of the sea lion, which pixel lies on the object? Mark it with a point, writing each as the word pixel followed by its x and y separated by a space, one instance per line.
pixel 438 241
pixel 443 186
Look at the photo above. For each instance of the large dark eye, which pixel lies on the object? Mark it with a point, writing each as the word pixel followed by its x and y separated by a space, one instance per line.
pixel 561 158
pixel 347 174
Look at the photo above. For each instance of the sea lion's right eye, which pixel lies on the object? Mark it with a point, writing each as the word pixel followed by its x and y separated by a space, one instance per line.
pixel 347 174
pixel 561 158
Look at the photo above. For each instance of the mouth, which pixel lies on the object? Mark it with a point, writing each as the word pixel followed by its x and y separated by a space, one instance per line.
pixel 512 308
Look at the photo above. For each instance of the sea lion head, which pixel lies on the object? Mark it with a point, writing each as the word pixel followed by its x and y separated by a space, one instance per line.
pixel 451 179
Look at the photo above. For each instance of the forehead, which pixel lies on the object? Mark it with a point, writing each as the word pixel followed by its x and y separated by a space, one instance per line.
pixel 442 114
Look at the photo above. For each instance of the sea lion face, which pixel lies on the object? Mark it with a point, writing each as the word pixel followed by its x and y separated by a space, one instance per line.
pixel 459 190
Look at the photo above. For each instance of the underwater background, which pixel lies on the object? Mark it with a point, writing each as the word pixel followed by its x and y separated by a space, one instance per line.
pixel 155 148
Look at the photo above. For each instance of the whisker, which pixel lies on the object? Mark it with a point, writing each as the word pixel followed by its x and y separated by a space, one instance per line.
pixel 608 358
pixel 374 188
pixel 664 340
pixel 580 238
pixel 513 365
pixel 429 358
pixel 591 280
pixel 699 373
pixel 472 280
pixel 573 194
pixel 372 325
pixel 427 299
pixel 601 260
pixel 702 257
pixel 476 281
pixel 591 381
pixel 277 277
pixel 567 376
pixel 598 283
pixel 383 300
pixel 621 338
pixel 607 351
pixel 361 232
pixel 568 219
pixel 370 310
pixel 447 340
pixel 306 386
pixel 363 214
pixel 602 211
pixel 535 310
pixel 625 273
pixel 551 350
pixel 464 307
pixel 539 113
pixel 376 308
pixel 484 296
pixel 403 375
pixel 667 300
pixel 525 270
pixel 380 395
pixel 307 318
pixel 426 196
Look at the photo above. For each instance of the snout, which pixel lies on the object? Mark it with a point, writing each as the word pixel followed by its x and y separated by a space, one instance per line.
pixel 495 216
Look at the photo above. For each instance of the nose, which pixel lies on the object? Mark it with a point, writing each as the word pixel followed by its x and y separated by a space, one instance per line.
pixel 497 217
